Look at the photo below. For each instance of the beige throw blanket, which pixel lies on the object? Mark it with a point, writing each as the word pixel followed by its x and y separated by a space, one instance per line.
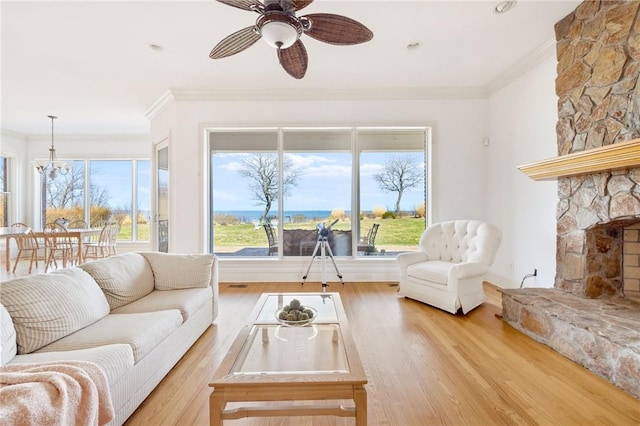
pixel 61 393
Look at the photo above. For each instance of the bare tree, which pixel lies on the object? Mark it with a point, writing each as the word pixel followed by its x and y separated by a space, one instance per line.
pixel 262 171
pixel 66 191
pixel 400 173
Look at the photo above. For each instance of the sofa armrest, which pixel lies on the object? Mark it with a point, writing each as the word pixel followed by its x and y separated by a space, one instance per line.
pixel 406 259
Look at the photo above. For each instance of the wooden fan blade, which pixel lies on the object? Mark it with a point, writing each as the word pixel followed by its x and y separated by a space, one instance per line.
pixel 301 4
pixel 242 4
pixel 337 29
pixel 294 59
pixel 235 43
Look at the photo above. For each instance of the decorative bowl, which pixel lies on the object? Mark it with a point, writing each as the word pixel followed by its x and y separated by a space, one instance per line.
pixel 297 323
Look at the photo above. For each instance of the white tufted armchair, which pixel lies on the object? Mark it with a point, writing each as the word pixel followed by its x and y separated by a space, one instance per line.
pixel 448 269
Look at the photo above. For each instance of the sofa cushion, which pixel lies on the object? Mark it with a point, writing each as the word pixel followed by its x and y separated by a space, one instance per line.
pixel 175 271
pixel 124 278
pixel 188 301
pixel 8 346
pixel 115 360
pixel 143 332
pixel 47 307
pixel 435 271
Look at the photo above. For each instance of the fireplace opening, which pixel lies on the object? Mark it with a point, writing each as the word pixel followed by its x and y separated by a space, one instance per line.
pixel 631 261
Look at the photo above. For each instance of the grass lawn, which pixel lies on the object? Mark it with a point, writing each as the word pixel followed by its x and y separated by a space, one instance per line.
pixel 392 233
pixel 404 231
pixel 126 229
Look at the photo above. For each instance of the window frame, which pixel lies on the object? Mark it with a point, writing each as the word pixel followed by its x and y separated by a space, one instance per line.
pixel 86 167
pixel 355 181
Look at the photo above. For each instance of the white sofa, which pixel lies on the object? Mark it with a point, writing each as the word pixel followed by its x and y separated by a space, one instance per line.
pixel 134 314
pixel 450 265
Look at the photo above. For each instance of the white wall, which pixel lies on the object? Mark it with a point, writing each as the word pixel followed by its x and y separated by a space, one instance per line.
pixel 458 169
pixel 522 119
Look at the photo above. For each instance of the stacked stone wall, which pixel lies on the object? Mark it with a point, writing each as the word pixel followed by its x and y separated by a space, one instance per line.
pixel 598 50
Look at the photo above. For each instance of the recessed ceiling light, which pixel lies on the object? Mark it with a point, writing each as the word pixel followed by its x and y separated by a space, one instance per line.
pixel 504 6
pixel 155 47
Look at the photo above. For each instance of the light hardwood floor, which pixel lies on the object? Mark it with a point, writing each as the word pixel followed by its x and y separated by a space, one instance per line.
pixel 425 367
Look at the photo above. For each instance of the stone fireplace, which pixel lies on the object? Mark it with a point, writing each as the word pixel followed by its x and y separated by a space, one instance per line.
pixel 586 316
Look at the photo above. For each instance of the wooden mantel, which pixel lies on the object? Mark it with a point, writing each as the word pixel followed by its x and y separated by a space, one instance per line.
pixel 623 155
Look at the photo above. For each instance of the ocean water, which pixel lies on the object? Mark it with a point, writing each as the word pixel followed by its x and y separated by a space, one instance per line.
pixel 290 216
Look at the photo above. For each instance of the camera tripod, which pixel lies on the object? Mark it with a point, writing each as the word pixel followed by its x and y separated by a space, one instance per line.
pixel 325 249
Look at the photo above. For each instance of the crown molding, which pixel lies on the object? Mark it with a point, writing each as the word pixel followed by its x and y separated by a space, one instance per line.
pixel 400 93
pixel 521 67
pixel 158 106
pixel 73 137
pixel 12 134
pixel 511 74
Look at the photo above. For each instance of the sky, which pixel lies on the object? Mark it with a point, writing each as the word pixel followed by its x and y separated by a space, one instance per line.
pixel 324 185
pixel 116 177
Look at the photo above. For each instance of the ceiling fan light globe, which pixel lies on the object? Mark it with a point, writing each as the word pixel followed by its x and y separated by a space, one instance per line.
pixel 279 34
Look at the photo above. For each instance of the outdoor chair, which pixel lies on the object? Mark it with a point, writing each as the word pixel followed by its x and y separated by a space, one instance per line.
pixel 272 237
pixel 450 265
pixel 368 242
pixel 163 236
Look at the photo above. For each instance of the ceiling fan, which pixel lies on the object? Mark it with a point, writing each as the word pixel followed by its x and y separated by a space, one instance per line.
pixel 279 26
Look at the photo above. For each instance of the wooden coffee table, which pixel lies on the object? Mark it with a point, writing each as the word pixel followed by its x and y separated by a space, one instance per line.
pixel 273 362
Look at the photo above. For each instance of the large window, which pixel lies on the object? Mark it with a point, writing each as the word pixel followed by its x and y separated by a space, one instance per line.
pixel 392 190
pixel 244 192
pixel 100 191
pixel 272 190
pixel 317 191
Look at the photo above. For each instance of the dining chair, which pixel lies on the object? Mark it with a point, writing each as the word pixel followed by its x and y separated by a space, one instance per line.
pixel 114 231
pixel 78 224
pixel 27 244
pixel 59 246
pixel 105 245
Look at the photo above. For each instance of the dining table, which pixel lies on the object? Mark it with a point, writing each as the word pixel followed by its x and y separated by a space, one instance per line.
pixel 78 234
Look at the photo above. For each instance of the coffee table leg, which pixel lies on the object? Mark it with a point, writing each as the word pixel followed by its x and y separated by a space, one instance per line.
pixel 216 406
pixel 360 399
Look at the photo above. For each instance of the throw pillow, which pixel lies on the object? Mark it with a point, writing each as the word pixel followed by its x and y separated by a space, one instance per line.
pixel 124 278
pixel 47 307
pixel 176 271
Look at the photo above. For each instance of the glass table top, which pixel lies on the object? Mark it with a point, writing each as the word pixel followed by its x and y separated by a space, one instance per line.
pixel 275 348
pixel 279 349
pixel 322 302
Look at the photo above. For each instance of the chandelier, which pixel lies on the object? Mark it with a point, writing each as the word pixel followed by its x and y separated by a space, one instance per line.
pixel 52 166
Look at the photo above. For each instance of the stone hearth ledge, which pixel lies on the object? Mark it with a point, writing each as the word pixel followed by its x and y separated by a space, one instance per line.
pixel 602 335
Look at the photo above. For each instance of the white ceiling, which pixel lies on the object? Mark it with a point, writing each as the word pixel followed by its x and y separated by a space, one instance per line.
pixel 88 62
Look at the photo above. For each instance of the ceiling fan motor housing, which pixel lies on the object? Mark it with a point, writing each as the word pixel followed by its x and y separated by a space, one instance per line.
pixel 279 29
